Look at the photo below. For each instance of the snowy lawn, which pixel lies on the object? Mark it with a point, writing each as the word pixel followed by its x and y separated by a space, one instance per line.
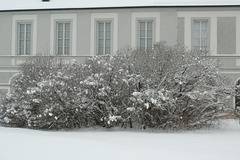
pixel 25 144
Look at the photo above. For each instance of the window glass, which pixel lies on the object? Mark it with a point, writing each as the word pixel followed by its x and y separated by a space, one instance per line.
pixel 104 37
pixel 145 35
pixel 200 35
pixel 63 38
pixel 24 38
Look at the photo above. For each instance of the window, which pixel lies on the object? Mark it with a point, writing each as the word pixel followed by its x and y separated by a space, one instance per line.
pixel 104 33
pixel 104 37
pixel 145 35
pixel 63 38
pixel 24 35
pixel 200 35
pixel 24 38
pixel 145 29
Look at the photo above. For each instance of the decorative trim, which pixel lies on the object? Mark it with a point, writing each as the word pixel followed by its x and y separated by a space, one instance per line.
pixel 213 27
pixel 8 71
pixel 15 19
pixel 102 16
pixel 5 88
pixel 145 15
pixel 63 17
pixel 226 72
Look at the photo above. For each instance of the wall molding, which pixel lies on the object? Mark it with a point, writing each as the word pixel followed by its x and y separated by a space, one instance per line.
pixel 99 16
pixel 145 15
pixel 15 19
pixel 213 15
pixel 54 18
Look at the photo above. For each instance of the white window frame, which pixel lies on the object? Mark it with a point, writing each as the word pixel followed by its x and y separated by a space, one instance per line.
pixel 200 34
pixel 63 38
pixel 212 16
pixel 24 38
pixel 104 37
pixel 95 18
pixel 145 21
pixel 16 19
pixel 151 16
pixel 53 36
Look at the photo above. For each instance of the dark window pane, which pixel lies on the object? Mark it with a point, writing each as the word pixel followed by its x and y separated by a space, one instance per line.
pixel 60 42
pixel 101 26
pixel 100 50
pixel 108 26
pixel 60 34
pixel 60 50
pixel 67 26
pixel 107 43
pixel 142 33
pixel 142 25
pixel 149 33
pixel 28 27
pixel 28 35
pixel 22 27
pixel 21 36
pixel 67 34
pixel 101 35
pixel 66 50
pixel 108 35
pixel 149 25
pixel 67 43
pixel 107 50
pixel 60 26
pixel 100 42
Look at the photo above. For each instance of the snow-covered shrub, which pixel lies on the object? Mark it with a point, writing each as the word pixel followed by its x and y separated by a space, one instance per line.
pixel 184 89
pixel 167 88
pixel 108 85
pixel 45 96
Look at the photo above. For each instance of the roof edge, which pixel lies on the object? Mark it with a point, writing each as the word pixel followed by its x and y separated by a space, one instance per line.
pixel 120 7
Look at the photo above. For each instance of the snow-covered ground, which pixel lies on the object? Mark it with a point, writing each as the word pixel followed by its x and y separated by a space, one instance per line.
pixel 216 144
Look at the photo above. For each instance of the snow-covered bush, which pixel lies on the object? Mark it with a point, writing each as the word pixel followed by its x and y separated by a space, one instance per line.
pixel 45 96
pixel 108 86
pixel 167 88
pixel 184 89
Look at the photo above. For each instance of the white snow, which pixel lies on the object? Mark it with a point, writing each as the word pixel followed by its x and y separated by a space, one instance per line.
pixel 38 4
pixel 99 144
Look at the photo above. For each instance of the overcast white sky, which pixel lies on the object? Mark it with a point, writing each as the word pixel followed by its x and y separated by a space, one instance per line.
pixel 38 4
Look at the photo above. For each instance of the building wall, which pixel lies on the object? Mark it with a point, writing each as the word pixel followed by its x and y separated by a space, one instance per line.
pixel 84 33
pixel 124 29
pixel 223 34
pixel 168 27
pixel 173 25
pixel 180 31
pixel 43 33
pixel 226 35
pixel 5 34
